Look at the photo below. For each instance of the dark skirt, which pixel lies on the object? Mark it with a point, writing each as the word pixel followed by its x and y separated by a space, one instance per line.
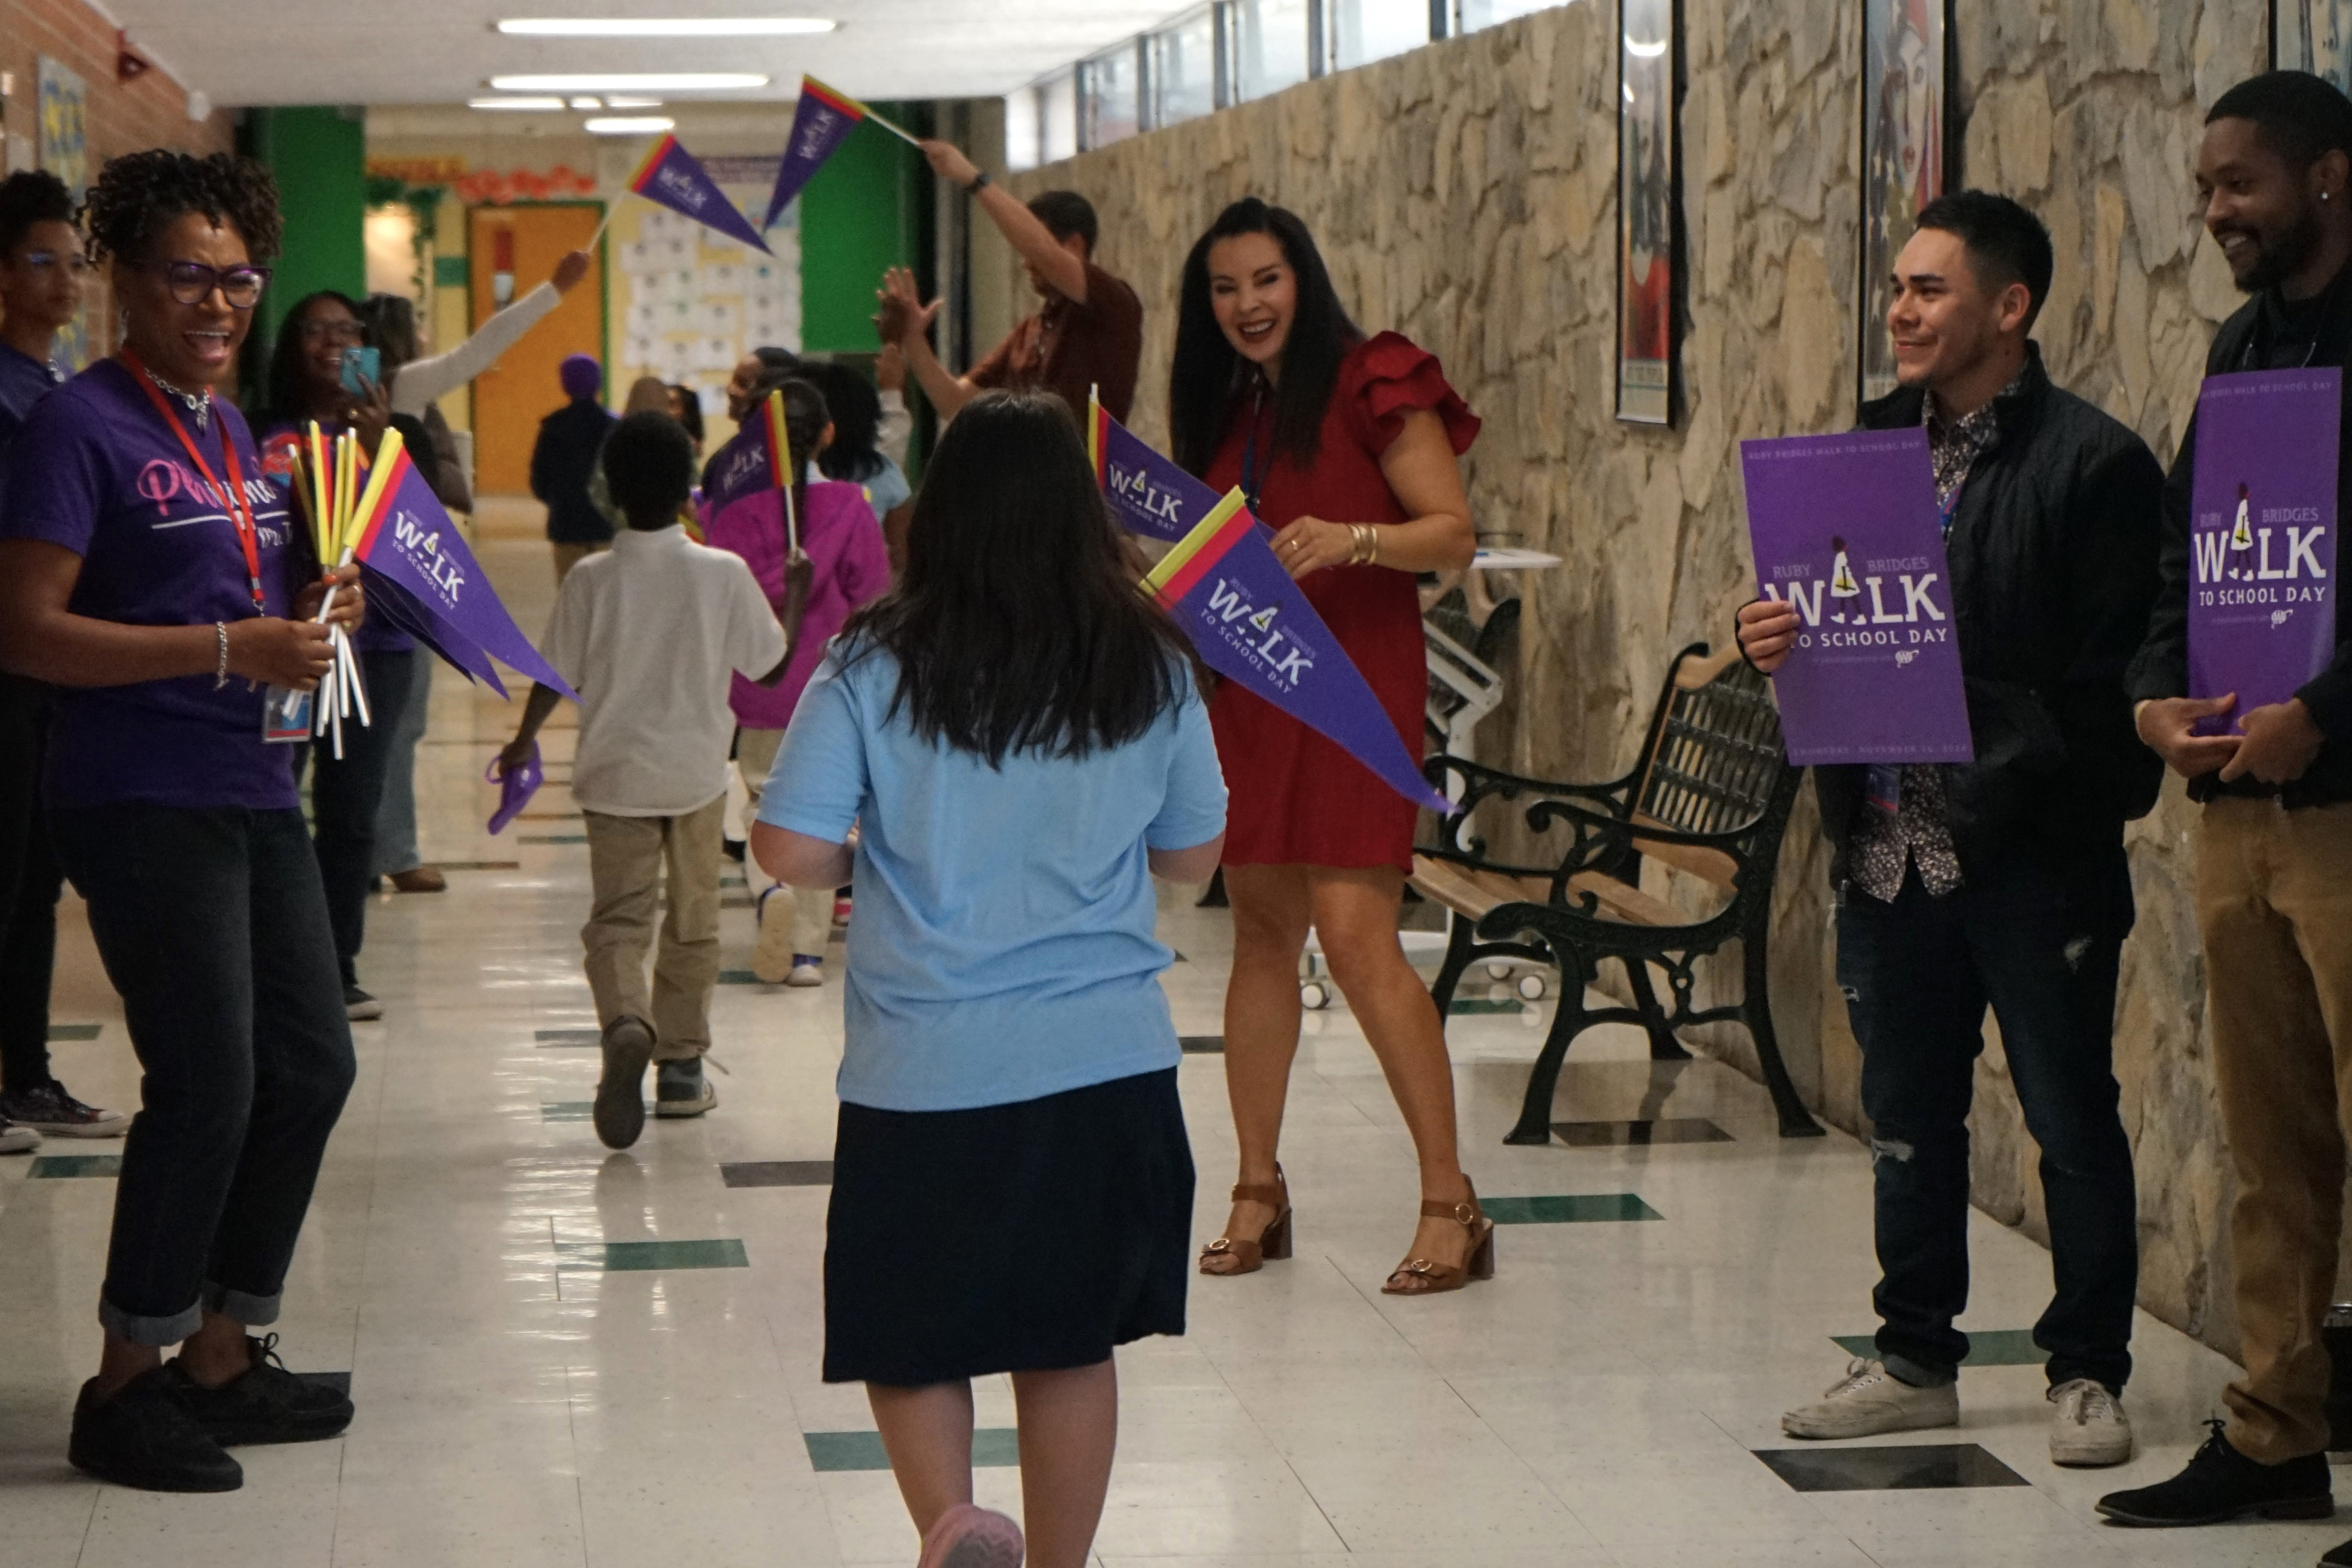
pixel 1025 1237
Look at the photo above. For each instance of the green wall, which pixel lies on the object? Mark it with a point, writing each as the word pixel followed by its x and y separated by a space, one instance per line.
pixel 861 215
pixel 319 157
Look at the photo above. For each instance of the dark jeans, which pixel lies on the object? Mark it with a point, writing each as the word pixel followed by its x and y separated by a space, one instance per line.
pixel 2041 943
pixel 213 930
pixel 29 885
pixel 344 796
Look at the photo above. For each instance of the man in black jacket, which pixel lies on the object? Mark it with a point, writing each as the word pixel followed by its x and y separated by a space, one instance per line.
pixel 2274 842
pixel 2001 881
pixel 563 460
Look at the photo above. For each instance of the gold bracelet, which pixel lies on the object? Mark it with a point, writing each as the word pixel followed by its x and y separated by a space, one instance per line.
pixel 1371 544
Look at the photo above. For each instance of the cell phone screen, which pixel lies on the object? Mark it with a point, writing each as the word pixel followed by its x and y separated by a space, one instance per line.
pixel 363 368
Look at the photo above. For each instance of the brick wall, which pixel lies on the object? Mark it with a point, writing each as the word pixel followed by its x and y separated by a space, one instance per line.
pixel 150 111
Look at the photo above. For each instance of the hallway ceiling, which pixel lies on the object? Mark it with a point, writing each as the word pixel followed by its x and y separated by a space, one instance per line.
pixel 445 51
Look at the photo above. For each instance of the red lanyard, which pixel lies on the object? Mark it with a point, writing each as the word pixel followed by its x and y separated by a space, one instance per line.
pixel 240 510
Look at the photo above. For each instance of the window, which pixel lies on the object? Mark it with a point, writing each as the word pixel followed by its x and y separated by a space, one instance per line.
pixel 1057 118
pixel 1270 52
pixel 1472 15
pixel 1362 31
pixel 1110 97
pixel 1184 68
pixel 1024 130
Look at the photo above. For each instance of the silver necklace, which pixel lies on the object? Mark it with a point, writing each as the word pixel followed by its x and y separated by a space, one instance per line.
pixel 199 404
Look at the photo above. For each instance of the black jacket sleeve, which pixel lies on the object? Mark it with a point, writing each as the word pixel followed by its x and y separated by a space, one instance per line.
pixel 542 461
pixel 2328 694
pixel 2160 668
pixel 2116 563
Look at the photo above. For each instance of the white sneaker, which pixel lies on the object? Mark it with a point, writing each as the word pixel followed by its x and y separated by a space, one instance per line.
pixel 806 970
pixel 15 1140
pixel 1870 1400
pixel 772 958
pixel 2089 1430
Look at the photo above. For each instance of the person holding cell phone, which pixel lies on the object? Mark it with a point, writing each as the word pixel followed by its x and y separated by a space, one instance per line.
pixel 321 373
pixel 147 571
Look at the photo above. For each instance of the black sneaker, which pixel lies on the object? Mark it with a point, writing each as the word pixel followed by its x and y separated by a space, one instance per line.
pixel 2337 1557
pixel 48 1109
pixel 145 1436
pixel 2222 1484
pixel 265 1404
pixel 360 1006
pixel 629 1046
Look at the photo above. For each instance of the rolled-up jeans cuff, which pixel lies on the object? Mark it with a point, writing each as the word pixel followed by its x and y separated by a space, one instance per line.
pixel 1904 1369
pixel 145 1331
pixel 253 1311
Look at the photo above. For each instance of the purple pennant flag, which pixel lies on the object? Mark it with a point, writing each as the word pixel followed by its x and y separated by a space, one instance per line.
pixel 738 468
pixel 407 542
pixel 1252 625
pixel 822 121
pixel 394 603
pixel 1149 494
pixel 2262 536
pixel 671 176
pixel 1845 529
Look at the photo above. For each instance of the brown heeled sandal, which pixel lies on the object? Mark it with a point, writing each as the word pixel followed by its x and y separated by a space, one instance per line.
pixel 1272 1243
pixel 1433 1279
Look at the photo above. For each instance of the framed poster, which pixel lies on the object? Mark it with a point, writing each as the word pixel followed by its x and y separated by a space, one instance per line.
pixel 65 149
pixel 1906 121
pixel 2311 35
pixel 1649 257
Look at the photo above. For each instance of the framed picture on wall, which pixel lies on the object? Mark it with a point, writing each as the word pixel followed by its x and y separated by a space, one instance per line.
pixel 2313 35
pixel 1906 122
pixel 1649 253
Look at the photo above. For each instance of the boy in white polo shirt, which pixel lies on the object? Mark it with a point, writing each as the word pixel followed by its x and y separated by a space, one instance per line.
pixel 649 635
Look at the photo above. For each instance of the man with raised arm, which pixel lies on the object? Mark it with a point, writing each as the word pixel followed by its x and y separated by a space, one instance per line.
pixel 1088 335
pixel 2000 882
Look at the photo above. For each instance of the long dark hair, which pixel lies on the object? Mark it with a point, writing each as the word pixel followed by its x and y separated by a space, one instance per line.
pixel 857 421
pixel 286 399
pixel 1208 376
pixel 1015 625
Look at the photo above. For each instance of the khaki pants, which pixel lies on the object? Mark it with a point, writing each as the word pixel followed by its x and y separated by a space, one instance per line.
pixel 809 908
pixel 567 556
pixel 626 860
pixel 2275 904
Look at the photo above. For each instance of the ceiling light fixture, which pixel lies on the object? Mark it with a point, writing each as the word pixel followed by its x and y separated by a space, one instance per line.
pixel 638 81
pixel 665 26
pixel 631 125
pixel 588 103
pixel 613 101
pixel 540 104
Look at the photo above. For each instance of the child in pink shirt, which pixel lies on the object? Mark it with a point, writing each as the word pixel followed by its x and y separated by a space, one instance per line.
pixel 848 565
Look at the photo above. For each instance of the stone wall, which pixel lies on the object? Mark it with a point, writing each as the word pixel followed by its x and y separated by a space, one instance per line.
pixel 1465 195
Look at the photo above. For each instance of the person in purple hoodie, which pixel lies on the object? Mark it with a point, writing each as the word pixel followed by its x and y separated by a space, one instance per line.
pixel 847 565
pixel 148 570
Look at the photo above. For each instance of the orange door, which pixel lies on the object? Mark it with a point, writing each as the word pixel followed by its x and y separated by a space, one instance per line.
pixel 513 396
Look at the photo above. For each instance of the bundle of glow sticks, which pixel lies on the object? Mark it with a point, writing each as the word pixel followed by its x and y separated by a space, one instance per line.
pixel 333 498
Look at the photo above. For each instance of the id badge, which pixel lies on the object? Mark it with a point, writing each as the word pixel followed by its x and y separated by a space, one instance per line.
pixel 286 715
pixel 1883 789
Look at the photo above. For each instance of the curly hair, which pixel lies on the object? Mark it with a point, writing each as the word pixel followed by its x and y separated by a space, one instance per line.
pixel 27 197
pixel 140 194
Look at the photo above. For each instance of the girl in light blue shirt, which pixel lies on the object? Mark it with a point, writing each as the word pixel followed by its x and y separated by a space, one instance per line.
pixel 1016 738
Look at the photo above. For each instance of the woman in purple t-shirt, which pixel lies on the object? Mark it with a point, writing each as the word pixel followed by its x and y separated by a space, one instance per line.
pixel 148 570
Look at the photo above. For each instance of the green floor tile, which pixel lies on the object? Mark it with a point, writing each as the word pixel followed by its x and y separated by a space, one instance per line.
pixel 738 977
pixel 993 1448
pixel 57 1166
pixel 552 838
pixel 1577 1208
pixel 1987 1347
pixel 567 1039
pixel 567 1110
pixel 637 1256
pixel 74 1031
pixel 478 865
pixel 1488 1004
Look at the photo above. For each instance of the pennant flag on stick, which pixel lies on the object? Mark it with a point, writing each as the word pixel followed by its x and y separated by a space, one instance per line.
pixel 671 176
pixel 407 542
pixel 822 121
pixel 1149 494
pixel 758 459
pixel 1254 626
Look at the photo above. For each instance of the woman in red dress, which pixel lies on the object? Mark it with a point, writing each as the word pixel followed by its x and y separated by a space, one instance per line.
pixel 1347 447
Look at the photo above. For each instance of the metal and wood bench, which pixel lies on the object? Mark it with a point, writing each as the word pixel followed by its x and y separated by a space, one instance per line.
pixel 1709 796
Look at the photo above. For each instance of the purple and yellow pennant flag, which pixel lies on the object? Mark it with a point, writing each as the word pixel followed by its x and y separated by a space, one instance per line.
pixel 822 121
pixel 671 176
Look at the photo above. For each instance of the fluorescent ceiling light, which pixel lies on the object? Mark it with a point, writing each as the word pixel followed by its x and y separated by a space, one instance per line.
pixel 640 81
pixel 665 26
pixel 587 103
pixel 611 101
pixel 540 104
pixel 631 125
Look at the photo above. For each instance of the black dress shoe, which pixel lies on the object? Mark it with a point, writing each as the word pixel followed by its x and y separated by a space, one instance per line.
pixel 265 1404
pixel 145 1436
pixel 2221 1484
pixel 2337 1557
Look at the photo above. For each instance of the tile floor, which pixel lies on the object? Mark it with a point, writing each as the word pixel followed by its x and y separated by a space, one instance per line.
pixel 564 1356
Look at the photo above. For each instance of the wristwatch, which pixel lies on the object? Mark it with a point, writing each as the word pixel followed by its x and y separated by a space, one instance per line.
pixel 980 183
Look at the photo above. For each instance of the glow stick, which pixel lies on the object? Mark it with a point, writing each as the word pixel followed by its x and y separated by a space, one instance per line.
pixel 779 437
pixel 379 476
pixel 316 445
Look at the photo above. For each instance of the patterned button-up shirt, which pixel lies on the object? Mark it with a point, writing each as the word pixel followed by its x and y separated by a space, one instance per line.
pixel 1884 844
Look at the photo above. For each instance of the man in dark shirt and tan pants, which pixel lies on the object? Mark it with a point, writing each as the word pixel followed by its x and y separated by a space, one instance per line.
pixel 1088 335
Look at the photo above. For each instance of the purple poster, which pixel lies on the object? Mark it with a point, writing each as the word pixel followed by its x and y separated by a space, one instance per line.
pixel 1845 529
pixel 2262 536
